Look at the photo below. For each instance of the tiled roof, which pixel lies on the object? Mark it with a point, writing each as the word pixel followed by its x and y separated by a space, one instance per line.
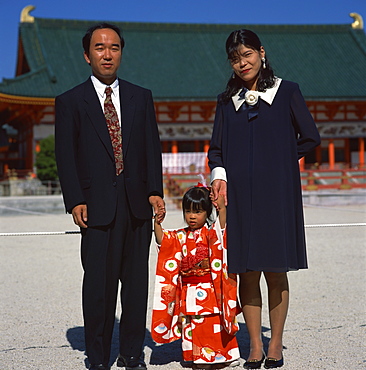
pixel 188 61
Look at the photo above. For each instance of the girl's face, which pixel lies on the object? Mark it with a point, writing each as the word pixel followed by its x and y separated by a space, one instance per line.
pixel 246 64
pixel 195 219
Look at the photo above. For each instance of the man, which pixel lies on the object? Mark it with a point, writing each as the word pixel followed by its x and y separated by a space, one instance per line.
pixel 109 184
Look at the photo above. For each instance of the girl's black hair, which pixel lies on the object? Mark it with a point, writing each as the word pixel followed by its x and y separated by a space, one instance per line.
pixel 197 198
pixel 249 39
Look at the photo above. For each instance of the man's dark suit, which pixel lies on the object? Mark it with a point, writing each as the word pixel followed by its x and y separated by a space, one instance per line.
pixel 118 209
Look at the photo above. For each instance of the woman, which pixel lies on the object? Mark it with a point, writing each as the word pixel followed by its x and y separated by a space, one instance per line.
pixel 262 128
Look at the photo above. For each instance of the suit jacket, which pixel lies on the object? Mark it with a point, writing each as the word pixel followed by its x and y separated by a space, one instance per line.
pixel 85 158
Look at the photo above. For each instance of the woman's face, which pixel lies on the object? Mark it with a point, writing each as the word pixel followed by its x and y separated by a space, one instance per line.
pixel 246 64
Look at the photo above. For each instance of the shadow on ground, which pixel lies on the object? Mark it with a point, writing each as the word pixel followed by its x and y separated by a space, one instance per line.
pixel 160 354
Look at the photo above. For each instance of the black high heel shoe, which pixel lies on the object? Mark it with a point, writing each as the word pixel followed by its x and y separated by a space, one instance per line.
pixel 254 364
pixel 272 363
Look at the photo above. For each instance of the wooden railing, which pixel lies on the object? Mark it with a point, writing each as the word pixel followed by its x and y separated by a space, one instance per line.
pixel 175 184
pixel 333 179
pixel 311 180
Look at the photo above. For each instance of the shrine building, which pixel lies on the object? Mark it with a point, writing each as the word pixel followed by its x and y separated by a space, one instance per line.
pixel 185 66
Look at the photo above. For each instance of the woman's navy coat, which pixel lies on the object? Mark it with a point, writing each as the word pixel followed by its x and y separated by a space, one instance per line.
pixel 265 226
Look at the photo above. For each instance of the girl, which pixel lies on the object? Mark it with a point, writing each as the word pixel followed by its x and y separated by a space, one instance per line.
pixel 195 298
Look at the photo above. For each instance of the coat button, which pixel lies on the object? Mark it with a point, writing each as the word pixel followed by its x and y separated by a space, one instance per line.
pixel 114 183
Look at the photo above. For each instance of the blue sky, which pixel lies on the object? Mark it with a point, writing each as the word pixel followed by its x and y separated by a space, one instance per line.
pixel 172 11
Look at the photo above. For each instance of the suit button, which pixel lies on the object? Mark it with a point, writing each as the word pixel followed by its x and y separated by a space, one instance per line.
pixel 114 183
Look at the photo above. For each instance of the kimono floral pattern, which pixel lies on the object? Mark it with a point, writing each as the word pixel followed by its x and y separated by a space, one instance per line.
pixel 202 312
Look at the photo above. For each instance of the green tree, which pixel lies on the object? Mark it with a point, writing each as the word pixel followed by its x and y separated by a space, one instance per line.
pixel 45 160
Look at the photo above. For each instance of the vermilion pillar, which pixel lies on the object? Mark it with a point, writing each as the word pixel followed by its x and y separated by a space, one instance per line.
pixel 174 146
pixel 361 151
pixel 331 154
pixel 302 164
pixel 206 146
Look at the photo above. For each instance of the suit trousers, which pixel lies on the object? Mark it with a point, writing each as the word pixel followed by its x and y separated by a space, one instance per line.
pixel 109 254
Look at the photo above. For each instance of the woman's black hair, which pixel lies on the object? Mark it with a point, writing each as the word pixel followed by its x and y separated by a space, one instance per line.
pixel 197 198
pixel 250 40
pixel 88 35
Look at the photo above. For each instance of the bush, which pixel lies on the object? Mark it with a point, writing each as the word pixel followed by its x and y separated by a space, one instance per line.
pixel 45 160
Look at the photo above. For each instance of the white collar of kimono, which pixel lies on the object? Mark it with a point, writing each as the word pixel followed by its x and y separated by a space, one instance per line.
pixel 268 96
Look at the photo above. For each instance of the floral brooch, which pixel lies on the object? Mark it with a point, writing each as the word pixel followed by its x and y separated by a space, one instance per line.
pixel 251 97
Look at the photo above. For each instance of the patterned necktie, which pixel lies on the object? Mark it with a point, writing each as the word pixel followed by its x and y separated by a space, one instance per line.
pixel 114 129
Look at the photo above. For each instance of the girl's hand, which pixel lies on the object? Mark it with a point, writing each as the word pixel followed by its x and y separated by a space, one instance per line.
pixel 158 230
pixel 220 202
pixel 158 205
pixel 157 219
pixel 221 209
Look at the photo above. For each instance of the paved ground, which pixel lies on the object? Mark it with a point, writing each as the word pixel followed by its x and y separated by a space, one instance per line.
pixel 40 281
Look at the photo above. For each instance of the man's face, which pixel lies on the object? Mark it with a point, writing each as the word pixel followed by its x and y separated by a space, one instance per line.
pixel 105 55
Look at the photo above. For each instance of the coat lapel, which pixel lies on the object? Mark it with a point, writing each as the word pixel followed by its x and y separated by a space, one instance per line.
pixel 127 113
pixel 96 115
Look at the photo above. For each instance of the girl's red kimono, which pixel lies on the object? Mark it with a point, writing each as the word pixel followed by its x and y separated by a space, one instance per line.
pixel 195 298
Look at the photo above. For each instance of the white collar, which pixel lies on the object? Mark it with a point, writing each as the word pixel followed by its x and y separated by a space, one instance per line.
pixel 268 96
pixel 100 86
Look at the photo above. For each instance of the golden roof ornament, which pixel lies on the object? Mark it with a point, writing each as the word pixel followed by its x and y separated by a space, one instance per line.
pixel 25 17
pixel 358 23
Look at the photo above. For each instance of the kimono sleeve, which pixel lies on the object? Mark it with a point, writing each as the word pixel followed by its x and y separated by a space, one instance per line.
pixel 226 284
pixel 165 326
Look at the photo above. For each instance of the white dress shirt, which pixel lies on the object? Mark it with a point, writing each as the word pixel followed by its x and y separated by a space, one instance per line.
pixel 100 89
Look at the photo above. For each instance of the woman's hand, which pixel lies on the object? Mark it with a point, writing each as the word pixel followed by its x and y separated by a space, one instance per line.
pixel 219 187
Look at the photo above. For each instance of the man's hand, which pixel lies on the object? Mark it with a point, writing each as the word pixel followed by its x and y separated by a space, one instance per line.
pixel 158 205
pixel 219 187
pixel 80 215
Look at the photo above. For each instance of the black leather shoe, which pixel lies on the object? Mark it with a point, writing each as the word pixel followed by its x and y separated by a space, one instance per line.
pixel 254 364
pixel 272 363
pixel 99 367
pixel 131 363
